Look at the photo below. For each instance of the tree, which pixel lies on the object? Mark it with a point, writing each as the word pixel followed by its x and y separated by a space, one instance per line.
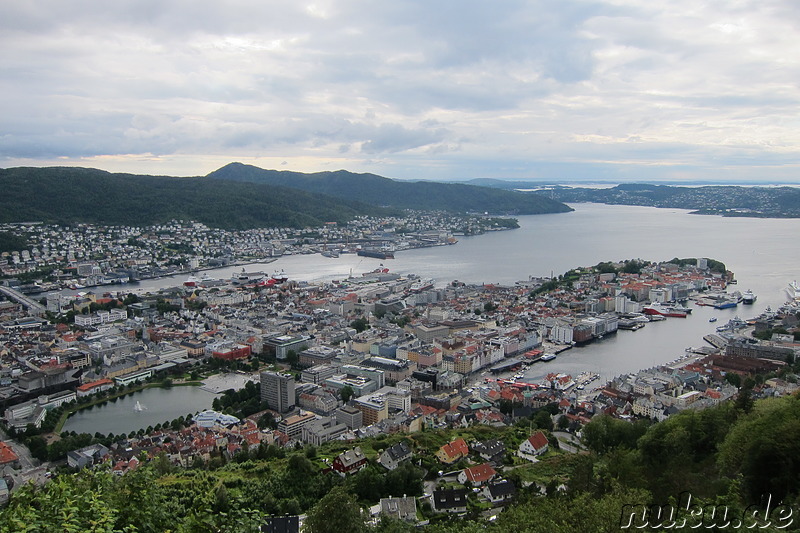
pixel 337 511
pixel 346 393
pixel 360 324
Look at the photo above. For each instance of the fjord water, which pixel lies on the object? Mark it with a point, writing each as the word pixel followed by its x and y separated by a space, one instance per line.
pixel 763 254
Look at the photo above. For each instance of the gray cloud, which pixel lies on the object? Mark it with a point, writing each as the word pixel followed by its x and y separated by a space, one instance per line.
pixel 507 89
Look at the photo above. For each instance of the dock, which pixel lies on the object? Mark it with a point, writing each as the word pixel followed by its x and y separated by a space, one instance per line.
pixel 716 341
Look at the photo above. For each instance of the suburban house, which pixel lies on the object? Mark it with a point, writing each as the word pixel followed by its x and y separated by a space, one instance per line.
pixel 394 455
pixel 404 508
pixel 450 500
pixel 490 450
pixel 350 462
pixel 453 451
pixel 477 475
pixel 281 524
pixel 500 492
pixel 534 445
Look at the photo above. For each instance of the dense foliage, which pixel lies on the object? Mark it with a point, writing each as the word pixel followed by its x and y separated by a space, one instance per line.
pixel 11 243
pixel 377 190
pixel 70 195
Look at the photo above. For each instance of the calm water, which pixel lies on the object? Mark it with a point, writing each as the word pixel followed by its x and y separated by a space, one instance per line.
pixel 761 252
pixel 162 405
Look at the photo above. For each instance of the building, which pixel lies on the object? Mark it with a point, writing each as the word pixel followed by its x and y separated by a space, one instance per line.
pixel 394 369
pixel 534 445
pixel 277 389
pixel 281 524
pixel 453 451
pixel 350 416
pixel 88 456
pixel 450 500
pixel 394 455
pixel 280 345
pixel 477 475
pixel 317 374
pixel 95 386
pixel 500 492
pixel 404 508
pixel 230 351
pixel 373 407
pixel 490 450
pixel 350 462
pixel 323 430
pixel 293 425
pixel 7 456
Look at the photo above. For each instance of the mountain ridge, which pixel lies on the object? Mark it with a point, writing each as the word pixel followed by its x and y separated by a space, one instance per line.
pixel 379 190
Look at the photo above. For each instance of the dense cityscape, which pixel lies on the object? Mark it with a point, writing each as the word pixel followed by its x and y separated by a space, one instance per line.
pixel 299 365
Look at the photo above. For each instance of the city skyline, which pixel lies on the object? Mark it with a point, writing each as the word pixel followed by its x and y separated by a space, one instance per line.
pixel 607 91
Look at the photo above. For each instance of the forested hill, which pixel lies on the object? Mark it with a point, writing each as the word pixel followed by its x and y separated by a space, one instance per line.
pixel 377 190
pixel 72 195
pixel 725 200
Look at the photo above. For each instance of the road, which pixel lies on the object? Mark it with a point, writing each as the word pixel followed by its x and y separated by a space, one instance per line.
pixel 568 442
pixel 31 469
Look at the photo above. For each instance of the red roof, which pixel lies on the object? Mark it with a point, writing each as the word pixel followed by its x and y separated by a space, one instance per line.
pixel 89 386
pixel 538 440
pixel 480 473
pixel 456 448
pixel 7 455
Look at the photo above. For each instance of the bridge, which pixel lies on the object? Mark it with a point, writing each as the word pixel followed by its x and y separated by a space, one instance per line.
pixel 34 307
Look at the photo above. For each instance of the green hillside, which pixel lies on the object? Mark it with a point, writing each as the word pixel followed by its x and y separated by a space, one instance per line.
pixel 377 190
pixel 72 195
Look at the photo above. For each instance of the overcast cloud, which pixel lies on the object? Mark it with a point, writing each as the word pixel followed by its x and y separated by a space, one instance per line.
pixel 552 90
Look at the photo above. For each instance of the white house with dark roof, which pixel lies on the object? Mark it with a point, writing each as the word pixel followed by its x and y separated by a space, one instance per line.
pixel 394 455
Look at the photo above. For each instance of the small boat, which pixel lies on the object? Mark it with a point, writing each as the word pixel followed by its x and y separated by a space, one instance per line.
pixel 139 407
pixel 712 319
pixel 547 357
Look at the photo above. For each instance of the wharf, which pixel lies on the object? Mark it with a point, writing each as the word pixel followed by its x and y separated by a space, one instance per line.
pixel 716 341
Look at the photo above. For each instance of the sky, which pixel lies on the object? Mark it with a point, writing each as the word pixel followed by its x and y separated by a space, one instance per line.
pixel 555 91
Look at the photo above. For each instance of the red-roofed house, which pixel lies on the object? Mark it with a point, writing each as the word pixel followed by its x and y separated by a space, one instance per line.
pixel 534 445
pixel 453 451
pixel 478 474
pixel 7 456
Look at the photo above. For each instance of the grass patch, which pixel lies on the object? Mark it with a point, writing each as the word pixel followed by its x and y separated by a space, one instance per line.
pixel 557 466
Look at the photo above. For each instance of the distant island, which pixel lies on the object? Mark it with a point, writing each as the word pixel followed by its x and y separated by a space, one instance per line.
pixel 724 200
pixel 240 197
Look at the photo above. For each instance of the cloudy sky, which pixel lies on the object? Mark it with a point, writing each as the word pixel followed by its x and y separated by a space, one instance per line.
pixel 612 90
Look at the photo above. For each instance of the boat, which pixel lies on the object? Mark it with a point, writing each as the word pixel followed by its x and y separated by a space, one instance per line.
pixel 658 309
pixel 748 297
pixel 139 407
pixel 712 319
pixel 547 357
pixel 377 254
pixel 191 281
pixel 279 276
pixel 725 304
pixel 794 290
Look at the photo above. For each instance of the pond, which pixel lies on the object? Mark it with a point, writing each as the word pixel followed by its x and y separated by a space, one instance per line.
pixel 139 410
